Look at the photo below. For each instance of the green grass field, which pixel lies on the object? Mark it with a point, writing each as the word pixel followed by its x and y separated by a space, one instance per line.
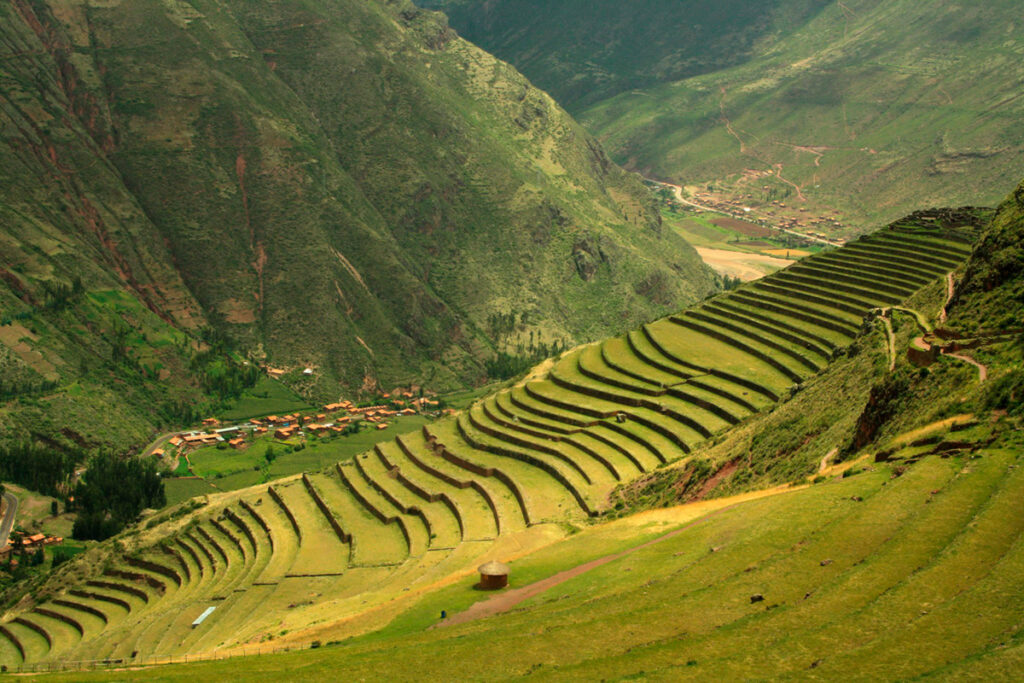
pixel 268 397
pixel 226 469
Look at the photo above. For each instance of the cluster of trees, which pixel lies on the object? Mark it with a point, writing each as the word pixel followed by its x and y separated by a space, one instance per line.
pixel 112 493
pixel 504 324
pixel 505 365
pixel 36 467
pixel 60 295
pixel 15 388
pixel 220 374
pixel 729 282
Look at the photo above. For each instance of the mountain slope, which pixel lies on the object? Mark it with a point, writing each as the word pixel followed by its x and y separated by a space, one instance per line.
pixel 872 108
pixel 586 52
pixel 344 185
pixel 517 467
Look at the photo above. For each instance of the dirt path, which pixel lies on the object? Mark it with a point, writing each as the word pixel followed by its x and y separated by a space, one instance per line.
pixel 827 460
pixel 508 599
pixel 982 370
pixel 949 297
pixel 890 340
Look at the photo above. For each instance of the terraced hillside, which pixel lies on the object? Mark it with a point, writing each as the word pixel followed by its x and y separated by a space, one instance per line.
pixel 904 571
pixel 516 466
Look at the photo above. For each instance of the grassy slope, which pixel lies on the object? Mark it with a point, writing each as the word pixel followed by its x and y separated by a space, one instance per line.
pixel 368 229
pixel 857 576
pixel 910 104
pixel 906 101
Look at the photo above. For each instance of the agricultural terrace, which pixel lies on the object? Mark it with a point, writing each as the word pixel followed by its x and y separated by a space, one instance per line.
pixel 509 473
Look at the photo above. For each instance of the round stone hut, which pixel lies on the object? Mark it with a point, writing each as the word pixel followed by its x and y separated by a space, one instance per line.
pixel 493 575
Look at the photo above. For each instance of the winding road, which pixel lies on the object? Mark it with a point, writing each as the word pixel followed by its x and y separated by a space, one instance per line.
pixel 10 512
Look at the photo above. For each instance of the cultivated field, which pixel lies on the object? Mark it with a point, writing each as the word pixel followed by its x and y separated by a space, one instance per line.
pixel 282 562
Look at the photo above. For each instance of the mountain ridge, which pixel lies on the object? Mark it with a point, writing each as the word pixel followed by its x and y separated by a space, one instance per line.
pixel 329 186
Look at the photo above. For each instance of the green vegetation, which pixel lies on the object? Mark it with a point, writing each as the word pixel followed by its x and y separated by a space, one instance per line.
pixel 434 195
pixel 860 106
pixel 112 493
pixel 267 397
pixel 744 390
pixel 861 403
pixel 587 52
pixel 42 469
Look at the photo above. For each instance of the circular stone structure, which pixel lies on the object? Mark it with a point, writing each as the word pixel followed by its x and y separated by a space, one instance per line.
pixel 493 575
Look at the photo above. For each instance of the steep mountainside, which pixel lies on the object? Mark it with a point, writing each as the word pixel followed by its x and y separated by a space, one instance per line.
pixel 991 296
pixel 585 52
pixel 341 185
pixel 872 108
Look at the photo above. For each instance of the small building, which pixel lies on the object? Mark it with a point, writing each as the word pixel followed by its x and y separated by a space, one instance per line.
pixel 237 443
pixel 158 453
pixel 307 372
pixel 211 422
pixel 176 441
pixel 493 575
pixel 33 541
pixel 382 425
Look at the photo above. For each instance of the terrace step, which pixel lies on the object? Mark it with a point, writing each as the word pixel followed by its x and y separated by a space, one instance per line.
pixel 644 452
pixel 413 529
pixel 824 300
pixel 321 550
pixel 596 440
pixel 592 468
pixel 281 536
pixel 620 356
pixel 818 347
pixel 831 273
pixel 374 543
pixel 521 462
pixel 506 512
pixel 924 247
pixel 538 496
pixel 923 260
pixel 891 259
pixel 591 383
pixel 721 357
pixel 879 269
pixel 442 524
pixel 796 310
pixel 757 336
pixel 564 394
pixel 857 297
